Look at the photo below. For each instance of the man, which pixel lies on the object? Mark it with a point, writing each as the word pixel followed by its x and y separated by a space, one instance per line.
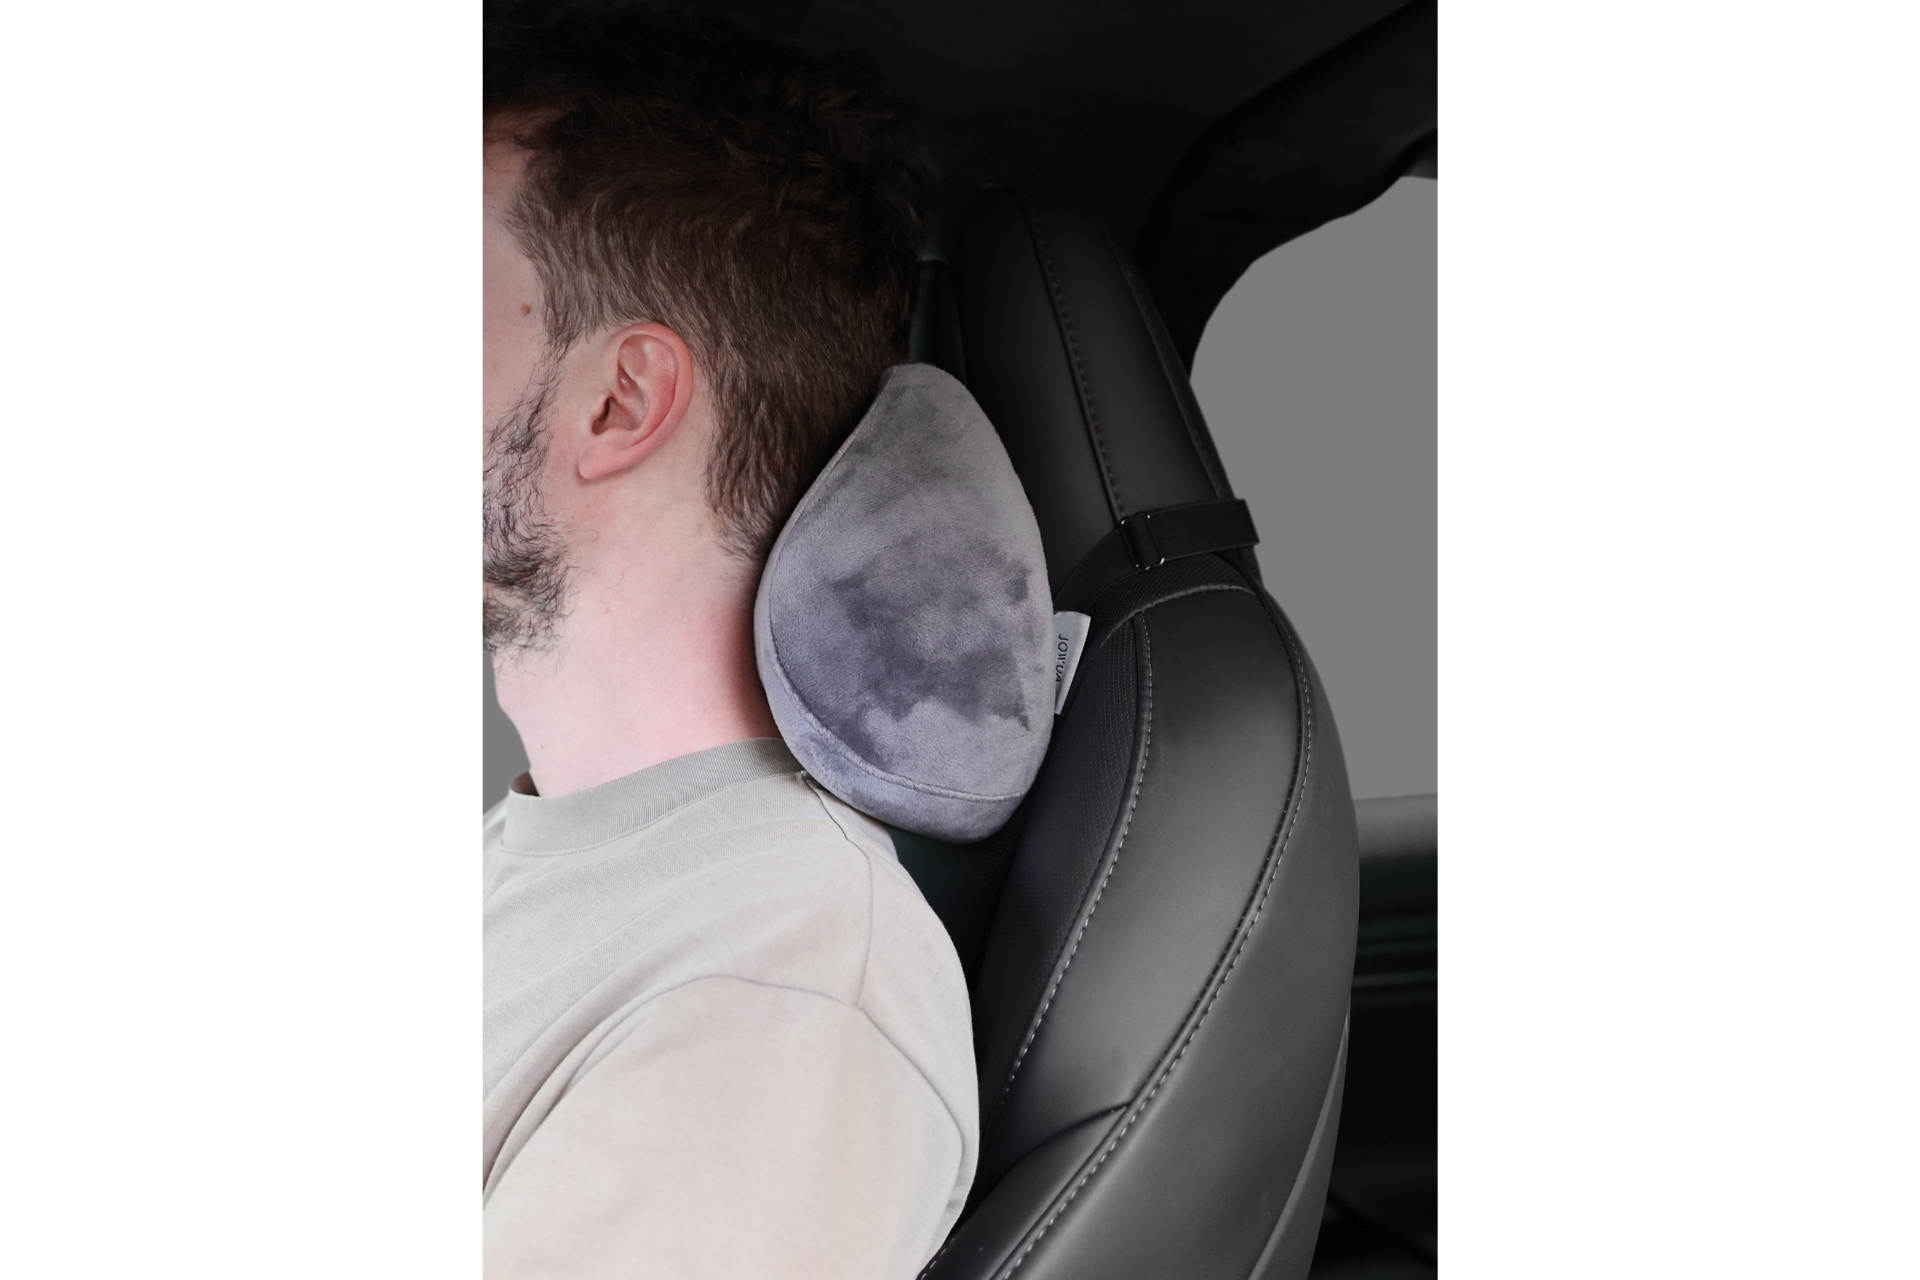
pixel 724 1034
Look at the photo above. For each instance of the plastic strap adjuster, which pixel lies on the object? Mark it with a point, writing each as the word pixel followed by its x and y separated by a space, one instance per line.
pixel 1154 537
pixel 1142 547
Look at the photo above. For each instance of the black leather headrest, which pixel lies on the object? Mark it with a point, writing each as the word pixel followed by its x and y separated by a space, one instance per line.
pixel 1061 345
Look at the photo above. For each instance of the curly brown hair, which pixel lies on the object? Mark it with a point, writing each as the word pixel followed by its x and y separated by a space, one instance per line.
pixel 759 202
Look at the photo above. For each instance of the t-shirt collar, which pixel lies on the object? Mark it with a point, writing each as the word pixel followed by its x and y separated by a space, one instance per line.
pixel 555 824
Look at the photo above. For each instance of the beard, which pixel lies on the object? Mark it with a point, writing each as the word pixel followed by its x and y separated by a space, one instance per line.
pixel 524 556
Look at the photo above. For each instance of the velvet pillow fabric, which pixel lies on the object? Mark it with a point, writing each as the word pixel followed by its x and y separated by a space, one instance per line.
pixel 903 626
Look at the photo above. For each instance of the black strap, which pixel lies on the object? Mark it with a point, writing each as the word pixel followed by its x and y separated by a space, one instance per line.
pixel 1145 541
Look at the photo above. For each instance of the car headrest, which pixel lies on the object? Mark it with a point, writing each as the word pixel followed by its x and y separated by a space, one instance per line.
pixel 1063 348
pixel 903 626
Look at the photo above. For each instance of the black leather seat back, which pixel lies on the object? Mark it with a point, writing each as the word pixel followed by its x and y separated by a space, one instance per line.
pixel 1161 941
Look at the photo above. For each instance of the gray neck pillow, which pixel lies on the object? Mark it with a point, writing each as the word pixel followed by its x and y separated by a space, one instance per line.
pixel 903 626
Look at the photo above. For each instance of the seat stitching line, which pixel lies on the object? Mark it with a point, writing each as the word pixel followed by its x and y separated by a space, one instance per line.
pixel 1113 1143
pixel 938 1254
pixel 1094 647
pixel 1146 746
pixel 1079 369
pixel 1080 932
pixel 1107 629
pixel 1181 402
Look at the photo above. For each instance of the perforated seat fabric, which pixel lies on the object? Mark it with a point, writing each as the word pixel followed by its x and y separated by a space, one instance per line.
pixel 1159 943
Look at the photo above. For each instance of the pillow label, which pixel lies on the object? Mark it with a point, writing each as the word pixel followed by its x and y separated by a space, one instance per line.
pixel 1069 637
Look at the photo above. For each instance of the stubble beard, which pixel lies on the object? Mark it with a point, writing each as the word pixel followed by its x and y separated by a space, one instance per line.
pixel 524 554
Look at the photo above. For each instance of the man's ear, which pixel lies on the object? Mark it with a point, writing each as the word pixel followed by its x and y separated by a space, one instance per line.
pixel 648 384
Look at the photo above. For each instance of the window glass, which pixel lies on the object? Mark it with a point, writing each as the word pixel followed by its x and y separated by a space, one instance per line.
pixel 1317 377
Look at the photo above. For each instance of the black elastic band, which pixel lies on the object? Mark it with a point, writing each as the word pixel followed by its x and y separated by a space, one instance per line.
pixel 1145 541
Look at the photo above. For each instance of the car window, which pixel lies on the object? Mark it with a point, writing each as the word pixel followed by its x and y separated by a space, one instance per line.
pixel 1317 377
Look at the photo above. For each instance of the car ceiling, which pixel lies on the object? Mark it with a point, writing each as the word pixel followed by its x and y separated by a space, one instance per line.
pixel 1113 101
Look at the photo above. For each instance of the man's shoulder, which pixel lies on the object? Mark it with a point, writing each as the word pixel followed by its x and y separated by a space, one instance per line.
pixel 776 846
pixel 854 926
pixel 822 890
pixel 828 873
pixel 772 879
pixel 772 884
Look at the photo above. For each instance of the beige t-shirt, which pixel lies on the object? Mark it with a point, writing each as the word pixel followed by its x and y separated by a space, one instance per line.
pixel 725 1035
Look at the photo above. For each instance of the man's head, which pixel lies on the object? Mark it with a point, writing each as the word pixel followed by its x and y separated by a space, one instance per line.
pixel 700 255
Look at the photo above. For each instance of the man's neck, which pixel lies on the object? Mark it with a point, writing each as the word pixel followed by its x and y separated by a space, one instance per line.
pixel 643 673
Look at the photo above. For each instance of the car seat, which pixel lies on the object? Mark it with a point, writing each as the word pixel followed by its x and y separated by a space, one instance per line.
pixel 1159 944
